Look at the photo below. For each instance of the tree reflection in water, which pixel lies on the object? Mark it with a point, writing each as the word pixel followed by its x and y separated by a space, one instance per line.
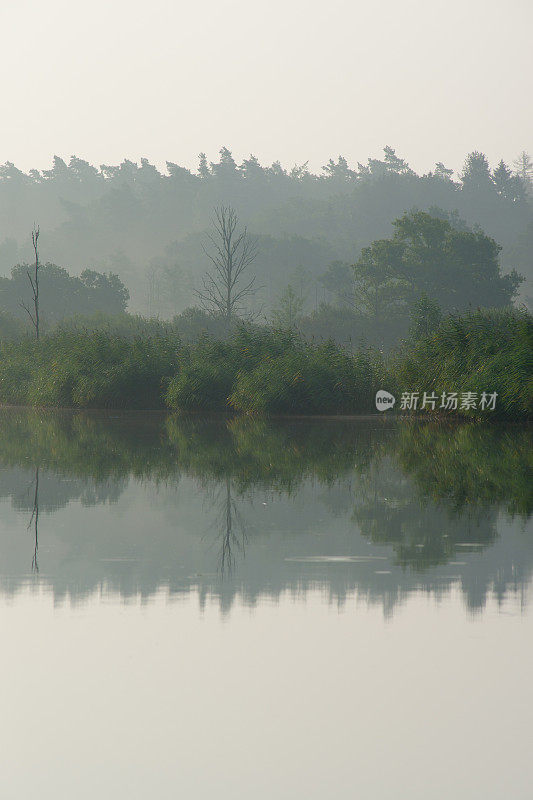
pixel 428 493
pixel 34 523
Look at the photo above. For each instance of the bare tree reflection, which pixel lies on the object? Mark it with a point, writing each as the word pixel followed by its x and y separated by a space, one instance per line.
pixel 231 530
pixel 34 523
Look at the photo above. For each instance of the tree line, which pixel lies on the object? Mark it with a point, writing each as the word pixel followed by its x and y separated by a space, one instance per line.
pixel 513 181
pixel 430 266
pixel 149 228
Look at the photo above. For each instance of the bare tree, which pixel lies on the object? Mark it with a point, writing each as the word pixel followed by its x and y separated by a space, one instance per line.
pixel 34 283
pixel 231 253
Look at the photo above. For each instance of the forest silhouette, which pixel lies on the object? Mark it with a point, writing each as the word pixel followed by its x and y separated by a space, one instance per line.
pixel 148 227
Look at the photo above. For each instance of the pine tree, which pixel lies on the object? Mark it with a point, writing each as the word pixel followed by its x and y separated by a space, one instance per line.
pixel 203 169
pixel 395 163
pixel 476 172
pixel 391 164
pixel 340 170
pixel 502 177
pixel 251 169
pixel 226 167
pixel 524 170
pixel 443 172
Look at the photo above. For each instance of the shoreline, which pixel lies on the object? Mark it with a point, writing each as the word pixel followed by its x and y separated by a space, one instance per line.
pixel 229 415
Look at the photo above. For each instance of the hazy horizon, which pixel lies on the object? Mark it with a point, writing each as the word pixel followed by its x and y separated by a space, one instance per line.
pixel 295 82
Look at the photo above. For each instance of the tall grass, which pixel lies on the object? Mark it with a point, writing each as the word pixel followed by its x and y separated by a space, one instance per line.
pixel 263 371
pixel 484 351
pixel 92 370
pixel 210 369
pixel 307 380
pixel 272 372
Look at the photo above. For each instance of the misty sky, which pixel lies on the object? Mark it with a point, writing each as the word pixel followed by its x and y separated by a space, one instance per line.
pixel 287 79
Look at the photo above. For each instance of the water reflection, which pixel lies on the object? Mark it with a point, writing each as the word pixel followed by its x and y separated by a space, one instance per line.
pixel 34 523
pixel 230 529
pixel 252 508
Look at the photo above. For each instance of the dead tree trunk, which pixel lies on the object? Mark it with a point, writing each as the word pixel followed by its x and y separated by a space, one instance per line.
pixel 34 283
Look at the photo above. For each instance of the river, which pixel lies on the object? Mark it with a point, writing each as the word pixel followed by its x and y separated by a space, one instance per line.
pixel 247 609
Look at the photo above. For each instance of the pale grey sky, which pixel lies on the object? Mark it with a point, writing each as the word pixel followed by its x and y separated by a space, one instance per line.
pixel 287 79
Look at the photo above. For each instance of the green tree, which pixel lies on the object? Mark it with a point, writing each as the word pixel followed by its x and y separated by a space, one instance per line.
pixel 502 177
pixel 339 281
pixel 391 163
pixel 443 172
pixel 61 295
pixel 59 171
pixel 380 287
pixel 428 256
pixel 106 293
pixel 288 312
pixel 508 185
pixel 460 269
pixel 476 173
pixel 251 169
pixel 203 167
pixel 83 172
pixel 226 167
pixel 425 317
pixel 339 171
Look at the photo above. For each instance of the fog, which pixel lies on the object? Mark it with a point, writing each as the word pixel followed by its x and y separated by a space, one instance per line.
pixel 294 81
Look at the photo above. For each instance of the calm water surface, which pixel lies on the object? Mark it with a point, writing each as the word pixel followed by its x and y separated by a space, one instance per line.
pixel 239 609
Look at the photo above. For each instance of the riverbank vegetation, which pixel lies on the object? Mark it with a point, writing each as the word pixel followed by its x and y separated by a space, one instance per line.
pixel 407 321
pixel 487 351
pixel 87 370
pixel 262 370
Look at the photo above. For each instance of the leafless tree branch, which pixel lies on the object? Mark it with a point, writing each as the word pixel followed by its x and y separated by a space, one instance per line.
pixel 231 254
